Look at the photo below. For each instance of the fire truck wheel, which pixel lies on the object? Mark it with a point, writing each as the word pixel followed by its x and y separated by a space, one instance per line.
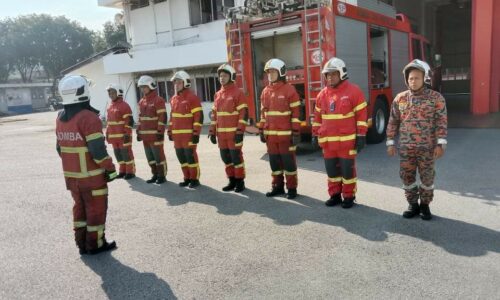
pixel 380 117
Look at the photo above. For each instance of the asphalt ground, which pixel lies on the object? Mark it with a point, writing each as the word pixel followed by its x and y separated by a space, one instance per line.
pixel 178 243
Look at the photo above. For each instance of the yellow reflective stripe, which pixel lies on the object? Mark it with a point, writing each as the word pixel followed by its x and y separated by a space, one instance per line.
pixel 335 179
pixel 292 148
pixel 349 181
pixel 129 162
pixel 161 110
pixel 225 113
pixel 74 149
pixel 213 122
pixel 243 122
pixel 337 138
pixel 100 233
pixel 117 135
pixel 158 143
pixel 148 118
pixel 93 136
pixel 229 165
pixel 128 126
pixel 227 129
pixel 193 165
pixel 101 160
pixel 116 123
pixel 295 104
pixel 239 107
pixel 295 120
pixel 337 116
pixel 185 165
pixel 239 166
pixel 317 109
pixel 79 224
pixel 126 115
pixel 178 115
pixel 278 113
pixel 263 120
pixel 161 123
pixel 127 144
pixel 277 132
pixel 100 192
pixel 178 131
pixel 148 132
pixel 196 109
pixel 290 173
pixel 316 124
pixel 353 152
pixel 196 124
pixel 238 144
pixel 152 162
pixel 83 174
pixel 360 106
pixel 277 173
pixel 361 123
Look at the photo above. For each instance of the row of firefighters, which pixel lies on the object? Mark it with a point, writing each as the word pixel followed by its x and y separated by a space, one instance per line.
pixel 417 117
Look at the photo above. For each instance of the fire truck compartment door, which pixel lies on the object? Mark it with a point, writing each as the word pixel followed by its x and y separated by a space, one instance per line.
pixel 352 48
pixel 275 31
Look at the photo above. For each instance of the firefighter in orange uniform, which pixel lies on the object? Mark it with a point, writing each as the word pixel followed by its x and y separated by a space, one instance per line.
pixel 151 128
pixel 186 118
pixel 280 128
pixel 229 119
pixel 340 127
pixel 119 131
pixel 86 164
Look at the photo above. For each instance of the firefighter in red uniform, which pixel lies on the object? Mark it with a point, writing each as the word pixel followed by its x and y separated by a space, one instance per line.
pixel 279 128
pixel 86 164
pixel 119 131
pixel 151 128
pixel 186 118
pixel 340 127
pixel 229 118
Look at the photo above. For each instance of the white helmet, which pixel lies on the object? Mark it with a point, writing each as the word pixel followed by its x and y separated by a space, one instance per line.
pixel 74 89
pixel 229 70
pixel 148 81
pixel 184 76
pixel 276 64
pixel 419 65
pixel 335 64
pixel 116 87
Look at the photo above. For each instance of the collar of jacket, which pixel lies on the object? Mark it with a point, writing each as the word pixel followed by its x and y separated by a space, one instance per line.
pixel 151 95
pixel 276 85
pixel 117 100
pixel 228 86
pixel 340 87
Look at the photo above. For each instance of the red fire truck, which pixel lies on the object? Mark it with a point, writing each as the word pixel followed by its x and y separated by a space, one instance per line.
pixel 373 40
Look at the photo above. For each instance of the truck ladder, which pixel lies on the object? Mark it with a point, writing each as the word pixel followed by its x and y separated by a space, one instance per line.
pixel 236 53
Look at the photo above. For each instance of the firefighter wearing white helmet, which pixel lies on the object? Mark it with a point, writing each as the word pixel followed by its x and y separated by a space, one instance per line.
pixel 419 119
pixel 340 127
pixel 78 127
pixel 279 128
pixel 119 131
pixel 229 119
pixel 151 128
pixel 186 119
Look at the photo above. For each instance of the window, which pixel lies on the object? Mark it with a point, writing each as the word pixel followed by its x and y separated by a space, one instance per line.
pixel 204 11
pixel 135 4
pixel 417 51
pixel 379 47
pixel 206 87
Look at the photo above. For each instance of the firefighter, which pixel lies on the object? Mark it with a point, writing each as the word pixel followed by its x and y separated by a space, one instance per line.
pixel 340 127
pixel 229 118
pixel 186 118
pixel 86 164
pixel 151 128
pixel 279 128
pixel 119 131
pixel 418 116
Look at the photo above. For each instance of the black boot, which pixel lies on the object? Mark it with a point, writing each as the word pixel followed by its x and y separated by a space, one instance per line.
pixel 129 176
pixel 413 210
pixel 194 183
pixel 161 179
pixel 425 212
pixel 184 183
pixel 292 194
pixel 277 190
pixel 231 185
pixel 120 175
pixel 348 202
pixel 107 246
pixel 153 179
pixel 240 185
pixel 82 251
pixel 334 200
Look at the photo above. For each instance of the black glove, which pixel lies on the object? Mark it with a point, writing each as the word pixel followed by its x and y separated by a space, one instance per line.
pixel 213 138
pixel 126 139
pixel 238 138
pixel 262 137
pixel 195 139
pixel 360 142
pixel 295 139
pixel 110 175
pixel 315 142
pixel 170 138
pixel 160 136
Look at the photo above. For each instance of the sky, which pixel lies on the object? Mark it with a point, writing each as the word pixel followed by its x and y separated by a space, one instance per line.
pixel 86 12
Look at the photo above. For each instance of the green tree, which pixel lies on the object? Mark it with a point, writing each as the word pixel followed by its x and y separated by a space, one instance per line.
pixel 6 66
pixel 114 34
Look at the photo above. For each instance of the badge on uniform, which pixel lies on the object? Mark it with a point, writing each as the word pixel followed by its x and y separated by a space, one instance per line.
pixel 332 106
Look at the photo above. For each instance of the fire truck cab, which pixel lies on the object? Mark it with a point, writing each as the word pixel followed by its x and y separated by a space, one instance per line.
pixel 375 44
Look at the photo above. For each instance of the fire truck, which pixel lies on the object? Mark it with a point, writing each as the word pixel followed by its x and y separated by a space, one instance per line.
pixel 374 41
